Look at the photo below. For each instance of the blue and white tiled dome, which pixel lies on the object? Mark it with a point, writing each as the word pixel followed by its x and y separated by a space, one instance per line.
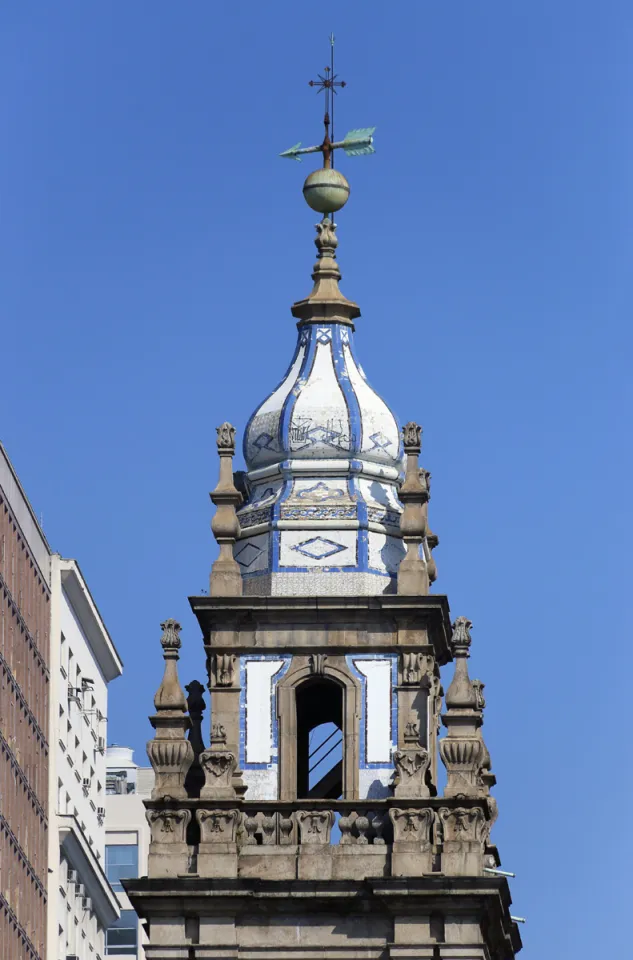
pixel 324 459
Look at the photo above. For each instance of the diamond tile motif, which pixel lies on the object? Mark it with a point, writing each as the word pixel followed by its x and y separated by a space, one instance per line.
pixel 318 548
pixel 248 554
pixel 264 442
pixel 380 441
pixel 324 335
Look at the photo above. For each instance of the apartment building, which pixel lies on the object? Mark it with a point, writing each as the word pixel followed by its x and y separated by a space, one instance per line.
pixel 83 662
pixel 56 661
pixel 127 844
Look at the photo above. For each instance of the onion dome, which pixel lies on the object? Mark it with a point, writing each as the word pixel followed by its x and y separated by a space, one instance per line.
pixel 324 461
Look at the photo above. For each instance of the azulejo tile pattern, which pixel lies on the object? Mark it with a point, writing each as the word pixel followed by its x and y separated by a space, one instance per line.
pixel 324 461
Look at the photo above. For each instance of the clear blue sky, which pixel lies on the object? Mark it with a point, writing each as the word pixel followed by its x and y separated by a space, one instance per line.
pixel 151 243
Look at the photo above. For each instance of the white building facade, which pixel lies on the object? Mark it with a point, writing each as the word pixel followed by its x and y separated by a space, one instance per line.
pixel 127 844
pixel 84 660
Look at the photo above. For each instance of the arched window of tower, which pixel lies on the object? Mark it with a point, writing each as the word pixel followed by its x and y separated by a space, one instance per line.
pixel 319 705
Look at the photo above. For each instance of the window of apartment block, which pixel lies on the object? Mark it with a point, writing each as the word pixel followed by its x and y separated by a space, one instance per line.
pixel 121 862
pixel 122 937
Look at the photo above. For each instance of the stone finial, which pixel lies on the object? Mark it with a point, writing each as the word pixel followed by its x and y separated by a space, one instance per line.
pixel 326 240
pixel 412 438
pixel 326 302
pixel 463 750
pixel 413 577
pixel 170 753
pixel 226 578
pixel 169 695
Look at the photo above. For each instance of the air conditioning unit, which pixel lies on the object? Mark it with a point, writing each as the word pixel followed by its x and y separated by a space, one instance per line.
pixel 72 956
pixel 86 903
pixel 73 693
pixel 101 745
pixel 73 876
pixel 86 783
pixel 80 890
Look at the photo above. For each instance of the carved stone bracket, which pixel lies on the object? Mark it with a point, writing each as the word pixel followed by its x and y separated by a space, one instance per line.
pixel 411 767
pixel 168 826
pixel 412 732
pixel 417 668
pixel 315 826
pixel 463 824
pixel 412 825
pixel 317 663
pixel 219 767
pixel 218 826
pixel 224 664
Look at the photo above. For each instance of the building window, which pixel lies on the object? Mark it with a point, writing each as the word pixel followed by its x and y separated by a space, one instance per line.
pixel 121 937
pixel 121 862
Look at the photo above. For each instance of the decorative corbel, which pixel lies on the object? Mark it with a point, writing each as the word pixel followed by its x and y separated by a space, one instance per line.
pixel 413 577
pixel 226 578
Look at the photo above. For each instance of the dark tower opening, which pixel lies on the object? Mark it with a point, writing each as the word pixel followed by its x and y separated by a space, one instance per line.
pixel 320 756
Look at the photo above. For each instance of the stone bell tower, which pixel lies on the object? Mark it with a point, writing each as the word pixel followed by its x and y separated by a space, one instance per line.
pixel 313 823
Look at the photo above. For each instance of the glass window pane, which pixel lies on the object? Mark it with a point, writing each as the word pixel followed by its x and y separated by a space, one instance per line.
pixel 121 937
pixel 121 862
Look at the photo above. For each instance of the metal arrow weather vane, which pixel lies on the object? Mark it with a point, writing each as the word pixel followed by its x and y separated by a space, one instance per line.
pixel 356 143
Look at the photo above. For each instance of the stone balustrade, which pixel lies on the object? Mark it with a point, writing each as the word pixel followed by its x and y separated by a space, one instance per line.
pixel 344 839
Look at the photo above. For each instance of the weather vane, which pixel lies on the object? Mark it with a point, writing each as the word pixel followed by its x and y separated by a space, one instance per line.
pixel 326 190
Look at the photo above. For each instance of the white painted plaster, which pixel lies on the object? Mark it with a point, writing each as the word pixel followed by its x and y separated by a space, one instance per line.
pixel 259 731
pixel 261 783
pixel 373 784
pixel 377 708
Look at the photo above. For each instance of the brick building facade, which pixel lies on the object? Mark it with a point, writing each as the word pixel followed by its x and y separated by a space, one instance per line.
pixel 24 747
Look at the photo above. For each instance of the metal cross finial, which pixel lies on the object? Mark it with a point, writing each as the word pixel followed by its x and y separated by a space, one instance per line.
pixel 355 144
pixel 328 84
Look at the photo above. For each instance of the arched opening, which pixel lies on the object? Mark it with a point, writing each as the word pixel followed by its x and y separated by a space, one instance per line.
pixel 320 739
